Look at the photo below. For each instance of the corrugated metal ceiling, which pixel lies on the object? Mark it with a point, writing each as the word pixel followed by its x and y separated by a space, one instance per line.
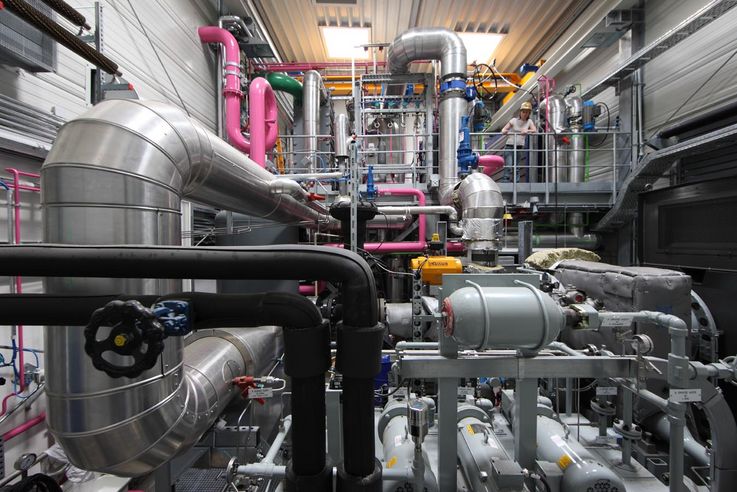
pixel 531 25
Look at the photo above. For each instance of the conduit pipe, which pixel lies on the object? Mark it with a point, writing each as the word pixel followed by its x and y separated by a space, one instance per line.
pixel 263 111
pixel 446 46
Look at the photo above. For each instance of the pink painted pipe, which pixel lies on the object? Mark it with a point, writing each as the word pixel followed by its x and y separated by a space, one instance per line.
pixel 405 246
pixel 17 187
pixel 261 101
pixel 309 289
pixel 24 427
pixel 491 163
pixel 262 116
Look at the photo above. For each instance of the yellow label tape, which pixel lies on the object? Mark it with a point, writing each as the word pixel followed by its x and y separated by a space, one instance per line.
pixel 564 461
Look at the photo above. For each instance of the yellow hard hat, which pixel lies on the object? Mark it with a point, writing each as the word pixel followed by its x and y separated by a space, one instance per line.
pixel 526 106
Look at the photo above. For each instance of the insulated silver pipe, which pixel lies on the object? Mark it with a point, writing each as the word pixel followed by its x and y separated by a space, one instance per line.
pixel 419 209
pixel 554 110
pixel 577 157
pixel 310 176
pixel 341 136
pixel 311 98
pixel 116 175
pixel 450 111
pixel 387 221
pixel 446 46
pixel 341 149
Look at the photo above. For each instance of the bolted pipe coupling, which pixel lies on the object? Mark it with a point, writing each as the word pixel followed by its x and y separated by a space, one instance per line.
pixel 521 317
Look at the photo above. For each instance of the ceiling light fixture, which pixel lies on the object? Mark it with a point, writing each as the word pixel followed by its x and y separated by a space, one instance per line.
pixel 480 46
pixel 343 42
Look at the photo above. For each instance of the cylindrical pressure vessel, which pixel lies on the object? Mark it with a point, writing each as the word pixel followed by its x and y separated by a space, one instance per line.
pixel 520 317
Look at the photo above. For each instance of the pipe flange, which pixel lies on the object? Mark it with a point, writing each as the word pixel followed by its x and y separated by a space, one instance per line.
pixel 603 407
pixel 631 432
pixel 231 470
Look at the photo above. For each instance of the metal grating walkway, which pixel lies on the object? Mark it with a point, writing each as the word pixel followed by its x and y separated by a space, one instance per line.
pixel 201 480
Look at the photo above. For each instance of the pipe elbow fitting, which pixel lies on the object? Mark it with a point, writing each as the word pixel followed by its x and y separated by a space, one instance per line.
pixel 289 187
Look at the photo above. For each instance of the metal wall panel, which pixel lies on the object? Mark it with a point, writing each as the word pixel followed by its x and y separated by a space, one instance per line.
pixel 675 75
pixel 172 27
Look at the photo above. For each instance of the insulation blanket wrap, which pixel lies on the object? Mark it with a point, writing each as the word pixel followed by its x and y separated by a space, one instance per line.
pixel 628 289
pixel 480 229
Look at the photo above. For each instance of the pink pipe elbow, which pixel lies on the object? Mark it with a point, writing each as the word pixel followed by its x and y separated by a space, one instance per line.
pixel 24 427
pixel 263 111
pixel 263 114
pixel 491 163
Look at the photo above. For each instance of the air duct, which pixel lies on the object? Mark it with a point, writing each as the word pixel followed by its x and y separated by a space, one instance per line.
pixel 446 46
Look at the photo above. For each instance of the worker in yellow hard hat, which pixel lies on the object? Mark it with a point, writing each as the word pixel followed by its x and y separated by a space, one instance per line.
pixel 514 152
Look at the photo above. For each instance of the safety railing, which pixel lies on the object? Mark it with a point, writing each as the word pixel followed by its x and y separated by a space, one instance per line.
pixel 547 164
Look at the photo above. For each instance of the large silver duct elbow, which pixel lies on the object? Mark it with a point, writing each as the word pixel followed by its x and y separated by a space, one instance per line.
pixel 428 43
pixel 116 175
pixel 446 46
pixel 129 153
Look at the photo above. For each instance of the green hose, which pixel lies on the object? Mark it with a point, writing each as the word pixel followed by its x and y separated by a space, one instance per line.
pixel 285 83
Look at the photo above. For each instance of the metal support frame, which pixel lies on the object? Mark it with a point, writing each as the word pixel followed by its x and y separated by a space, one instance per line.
pixel 524 422
pixel 355 195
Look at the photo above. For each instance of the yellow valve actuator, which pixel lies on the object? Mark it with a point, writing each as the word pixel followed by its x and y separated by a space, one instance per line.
pixel 433 267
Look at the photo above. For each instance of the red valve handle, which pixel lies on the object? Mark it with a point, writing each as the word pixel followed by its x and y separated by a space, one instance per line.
pixel 245 383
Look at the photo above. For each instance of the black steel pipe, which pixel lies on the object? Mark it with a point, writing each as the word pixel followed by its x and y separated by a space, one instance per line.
pixel 279 262
pixel 208 310
pixel 360 335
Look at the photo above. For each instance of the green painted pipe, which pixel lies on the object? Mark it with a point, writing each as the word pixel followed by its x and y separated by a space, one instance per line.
pixel 285 83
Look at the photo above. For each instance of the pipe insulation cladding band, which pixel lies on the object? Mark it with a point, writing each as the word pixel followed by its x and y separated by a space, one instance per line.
pixel 521 317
